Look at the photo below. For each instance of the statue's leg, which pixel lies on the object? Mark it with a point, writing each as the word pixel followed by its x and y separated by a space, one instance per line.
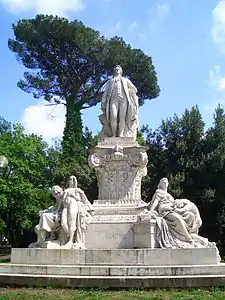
pixel 41 236
pixel 113 115
pixel 79 235
pixel 64 223
pixel 189 218
pixel 122 116
pixel 72 212
pixel 178 227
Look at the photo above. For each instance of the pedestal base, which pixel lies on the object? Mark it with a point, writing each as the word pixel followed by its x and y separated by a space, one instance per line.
pixel 120 257
pixel 113 226
pixel 120 164
pixel 124 268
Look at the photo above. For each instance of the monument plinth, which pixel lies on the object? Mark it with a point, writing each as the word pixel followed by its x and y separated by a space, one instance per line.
pixel 119 164
pixel 119 168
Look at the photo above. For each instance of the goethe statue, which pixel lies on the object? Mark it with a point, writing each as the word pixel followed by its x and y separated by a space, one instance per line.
pixel 119 107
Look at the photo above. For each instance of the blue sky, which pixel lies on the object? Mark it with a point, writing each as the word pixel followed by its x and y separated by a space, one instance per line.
pixel 185 38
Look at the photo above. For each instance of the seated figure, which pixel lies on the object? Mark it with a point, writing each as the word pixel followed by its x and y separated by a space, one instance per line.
pixel 66 223
pixel 50 219
pixel 177 220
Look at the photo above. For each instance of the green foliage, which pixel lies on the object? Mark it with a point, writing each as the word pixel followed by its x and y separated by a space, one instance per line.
pixel 34 169
pixel 194 162
pixel 61 166
pixel 73 141
pixel 25 191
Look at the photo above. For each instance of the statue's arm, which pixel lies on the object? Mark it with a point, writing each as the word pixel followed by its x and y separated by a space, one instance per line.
pixel 105 95
pixel 153 204
pixel 65 194
pixel 85 200
pixel 131 86
pixel 59 206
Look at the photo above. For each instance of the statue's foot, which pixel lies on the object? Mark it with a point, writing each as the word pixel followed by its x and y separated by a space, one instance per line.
pixel 78 246
pixel 35 245
pixel 68 245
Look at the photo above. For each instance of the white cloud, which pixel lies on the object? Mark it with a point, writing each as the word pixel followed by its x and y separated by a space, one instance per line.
pixel 118 26
pixel 210 107
pixel 216 79
pixel 133 26
pixel 54 7
pixel 216 76
pixel 48 121
pixel 162 10
pixel 217 84
pixel 158 14
pixel 218 28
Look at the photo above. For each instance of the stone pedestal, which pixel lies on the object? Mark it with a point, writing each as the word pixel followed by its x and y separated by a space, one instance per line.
pixel 145 235
pixel 119 164
pixel 116 268
pixel 115 257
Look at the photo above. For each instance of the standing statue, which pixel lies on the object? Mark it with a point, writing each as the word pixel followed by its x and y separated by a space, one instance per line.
pixel 178 220
pixel 76 215
pixel 119 107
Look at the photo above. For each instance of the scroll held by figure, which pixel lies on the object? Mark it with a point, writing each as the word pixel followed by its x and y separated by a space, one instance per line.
pixel 177 220
pixel 65 224
pixel 119 107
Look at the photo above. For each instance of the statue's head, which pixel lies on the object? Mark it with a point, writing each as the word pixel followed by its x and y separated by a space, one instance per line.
pixel 72 182
pixel 163 183
pixel 56 191
pixel 118 70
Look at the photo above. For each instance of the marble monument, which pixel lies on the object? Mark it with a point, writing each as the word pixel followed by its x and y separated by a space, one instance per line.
pixel 118 241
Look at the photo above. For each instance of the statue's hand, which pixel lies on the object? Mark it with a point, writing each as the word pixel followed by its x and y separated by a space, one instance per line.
pixel 92 213
pixel 56 217
pixel 41 212
pixel 180 210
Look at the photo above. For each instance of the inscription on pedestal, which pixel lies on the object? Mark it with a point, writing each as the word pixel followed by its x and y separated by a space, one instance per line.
pixel 119 171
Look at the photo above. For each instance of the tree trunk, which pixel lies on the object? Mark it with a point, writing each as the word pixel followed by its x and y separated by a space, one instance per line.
pixel 72 142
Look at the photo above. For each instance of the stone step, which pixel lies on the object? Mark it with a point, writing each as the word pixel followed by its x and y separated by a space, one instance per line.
pixel 122 271
pixel 109 282
pixel 119 257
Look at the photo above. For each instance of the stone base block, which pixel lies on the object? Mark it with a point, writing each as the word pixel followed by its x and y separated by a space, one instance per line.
pixel 122 268
pixel 111 235
pixel 115 282
pixel 120 232
pixel 145 235
pixel 112 226
pixel 119 206
pixel 120 257
pixel 101 270
pixel 109 142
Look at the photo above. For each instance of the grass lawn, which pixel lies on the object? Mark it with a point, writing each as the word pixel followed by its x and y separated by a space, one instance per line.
pixel 67 294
